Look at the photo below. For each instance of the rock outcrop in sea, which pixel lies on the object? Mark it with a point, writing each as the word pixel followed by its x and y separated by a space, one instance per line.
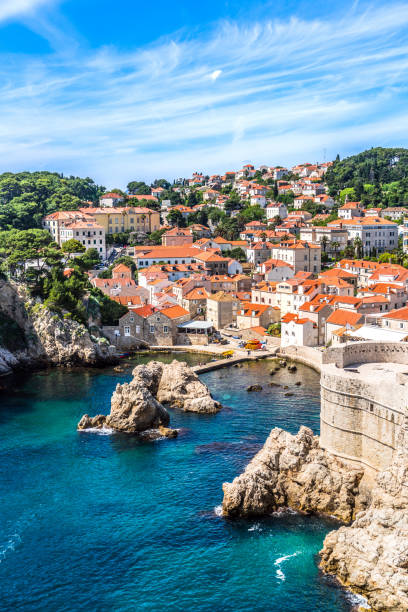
pixel 137 406
pixel 370 555
pixel 180 387
pixel 293 472
pixel 33 336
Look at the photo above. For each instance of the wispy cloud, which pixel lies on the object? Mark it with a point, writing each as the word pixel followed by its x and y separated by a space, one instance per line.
pixel 17 8
pixel 281 92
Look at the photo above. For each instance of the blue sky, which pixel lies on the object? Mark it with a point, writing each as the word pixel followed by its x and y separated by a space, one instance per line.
pixel 128 90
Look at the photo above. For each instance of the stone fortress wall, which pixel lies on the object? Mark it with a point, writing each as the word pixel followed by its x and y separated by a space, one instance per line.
pixel 364 400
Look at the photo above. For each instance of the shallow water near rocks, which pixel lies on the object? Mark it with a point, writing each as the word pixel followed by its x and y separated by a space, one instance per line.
pixel 107 522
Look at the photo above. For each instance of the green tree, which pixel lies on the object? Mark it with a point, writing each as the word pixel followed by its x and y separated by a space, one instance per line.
pixel 156 236
pixel 138 188
pixel 163 183
pixel 88 260
pixel 72 246
pixel 358 247
pixel 238 254
pixel 175 218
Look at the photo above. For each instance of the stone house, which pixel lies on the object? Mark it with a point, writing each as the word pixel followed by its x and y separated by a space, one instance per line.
pixel 396 320
pixel 153 326
pixel 195 301
pixel 318 313
pixel 303 256
pixel 258 253
pixel 177 237
pixel 222 309
pixel 256 315
pixel 340 318
pixel 121 271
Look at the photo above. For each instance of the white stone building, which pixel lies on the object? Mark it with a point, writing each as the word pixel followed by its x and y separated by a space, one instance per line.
pixel 374 233
pixel 89 233
pixel 276 209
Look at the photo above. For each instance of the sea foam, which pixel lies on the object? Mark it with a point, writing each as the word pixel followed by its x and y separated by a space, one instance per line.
pixel 279 573
pixel 102 431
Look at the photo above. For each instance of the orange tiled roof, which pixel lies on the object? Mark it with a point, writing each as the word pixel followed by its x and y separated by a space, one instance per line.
pixel 401 314
pixel 342 317
pixel 174 312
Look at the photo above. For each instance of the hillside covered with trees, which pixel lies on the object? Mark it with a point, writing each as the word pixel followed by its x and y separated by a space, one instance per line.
pixel 26 197
pixel 377 177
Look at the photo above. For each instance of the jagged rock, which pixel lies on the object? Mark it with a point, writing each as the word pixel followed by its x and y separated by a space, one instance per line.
pixel 136 406
pixel 88 422
pixel 180 387
pixel 371 555
pixel 168 432
pixel 254 388
pixel 292 368
pixel 293 471
pixel 134 409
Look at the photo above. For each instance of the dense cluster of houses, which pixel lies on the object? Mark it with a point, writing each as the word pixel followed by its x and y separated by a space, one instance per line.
pixel 191 287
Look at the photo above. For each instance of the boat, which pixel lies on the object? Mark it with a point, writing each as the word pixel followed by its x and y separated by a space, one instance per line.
pixel 253 345
pixel 227 353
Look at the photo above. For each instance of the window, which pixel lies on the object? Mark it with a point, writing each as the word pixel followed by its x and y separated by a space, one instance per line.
pixel 132 319
pixel 152 329
pixel 127 330
pixel 138 329
pixel 165 329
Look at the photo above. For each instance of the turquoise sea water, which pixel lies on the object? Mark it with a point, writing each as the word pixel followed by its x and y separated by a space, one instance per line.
pixel 105 522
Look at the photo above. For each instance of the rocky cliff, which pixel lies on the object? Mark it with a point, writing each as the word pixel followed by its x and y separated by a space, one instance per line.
pixel 33 336
pixel 293 472
pixel 138 406
pixel 370 556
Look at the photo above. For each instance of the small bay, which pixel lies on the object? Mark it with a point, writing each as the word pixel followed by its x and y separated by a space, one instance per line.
pixel 107 522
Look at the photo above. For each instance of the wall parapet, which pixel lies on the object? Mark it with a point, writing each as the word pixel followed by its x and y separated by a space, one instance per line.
pixel 367 352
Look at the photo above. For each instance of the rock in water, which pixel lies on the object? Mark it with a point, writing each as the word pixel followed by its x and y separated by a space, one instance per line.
pixel 137 406
pixel 293 471
pixel 134 409
pixel 254 388
pixel 371 556
pixel 88 422
pixel 180 387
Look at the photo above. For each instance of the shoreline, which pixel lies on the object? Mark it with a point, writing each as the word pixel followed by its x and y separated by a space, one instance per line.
pixel 239 356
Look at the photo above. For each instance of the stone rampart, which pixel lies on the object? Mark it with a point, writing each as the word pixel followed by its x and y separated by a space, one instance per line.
pixel 364 398
pixel 303 354
pixel 367 352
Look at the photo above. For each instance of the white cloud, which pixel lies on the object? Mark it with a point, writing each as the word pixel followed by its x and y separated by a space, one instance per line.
pixel 214 75
pixel 288 90
pixel 18 8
